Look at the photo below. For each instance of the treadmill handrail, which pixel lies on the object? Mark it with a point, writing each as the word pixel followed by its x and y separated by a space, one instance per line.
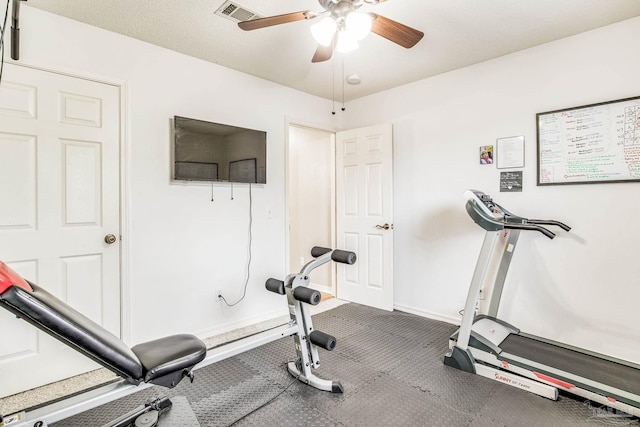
pixel 511 217
pixel 562 225
pixel 530 227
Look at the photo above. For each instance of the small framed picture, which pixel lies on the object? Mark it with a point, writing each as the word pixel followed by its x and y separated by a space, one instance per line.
pixel 486 155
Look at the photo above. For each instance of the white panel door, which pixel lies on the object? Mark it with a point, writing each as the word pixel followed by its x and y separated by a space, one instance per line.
pixel 59 197
pixel 364 185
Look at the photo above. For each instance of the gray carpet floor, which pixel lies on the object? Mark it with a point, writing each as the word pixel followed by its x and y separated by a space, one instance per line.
pixel 390 364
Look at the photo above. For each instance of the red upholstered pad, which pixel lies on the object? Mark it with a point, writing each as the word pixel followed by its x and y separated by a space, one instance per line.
pixel 9 278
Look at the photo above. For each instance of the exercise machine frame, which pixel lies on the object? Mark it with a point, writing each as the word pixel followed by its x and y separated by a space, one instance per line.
pixel 490 347
pixel 300 327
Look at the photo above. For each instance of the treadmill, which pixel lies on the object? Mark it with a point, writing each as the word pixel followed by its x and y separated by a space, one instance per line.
pixel 490 347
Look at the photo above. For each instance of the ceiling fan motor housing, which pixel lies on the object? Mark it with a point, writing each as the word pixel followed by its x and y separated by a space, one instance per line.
pixel 340 8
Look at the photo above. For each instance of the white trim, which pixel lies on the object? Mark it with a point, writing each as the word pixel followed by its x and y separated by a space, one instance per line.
pixel 334 233
pixel 287 177
pixel 222 328
pixel 289 123
pixel 125 218
pixel 70 73
pixel 309 124
pixel 427 314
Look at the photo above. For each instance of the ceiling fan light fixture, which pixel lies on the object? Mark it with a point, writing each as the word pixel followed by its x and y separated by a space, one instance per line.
pixel 346 42
pixel 359 24
pixel 324 30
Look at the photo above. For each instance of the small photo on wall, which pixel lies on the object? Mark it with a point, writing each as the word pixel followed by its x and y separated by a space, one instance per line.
pixel 486 155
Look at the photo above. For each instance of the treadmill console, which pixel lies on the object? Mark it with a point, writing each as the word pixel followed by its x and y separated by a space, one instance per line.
pixel 484 203
pixel 493 217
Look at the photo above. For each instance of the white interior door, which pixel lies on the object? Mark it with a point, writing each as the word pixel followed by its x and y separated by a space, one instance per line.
pixel 59 189
pixel 364 185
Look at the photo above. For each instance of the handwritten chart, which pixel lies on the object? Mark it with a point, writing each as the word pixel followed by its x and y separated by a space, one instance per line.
pixel 589 144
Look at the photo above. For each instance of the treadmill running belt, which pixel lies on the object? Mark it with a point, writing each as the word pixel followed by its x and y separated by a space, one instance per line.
pixel 594 368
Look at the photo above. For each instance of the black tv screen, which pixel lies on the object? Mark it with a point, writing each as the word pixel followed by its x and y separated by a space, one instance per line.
pixel 206 151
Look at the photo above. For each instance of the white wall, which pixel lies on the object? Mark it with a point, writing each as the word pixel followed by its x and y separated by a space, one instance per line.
pixel 582 287
pixel 181 246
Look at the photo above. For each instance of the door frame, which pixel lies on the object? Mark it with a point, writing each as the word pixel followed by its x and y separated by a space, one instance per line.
pixel 289 123
pixel 124 187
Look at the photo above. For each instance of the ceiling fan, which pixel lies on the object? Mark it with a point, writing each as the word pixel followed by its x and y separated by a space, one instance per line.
pixel 342 26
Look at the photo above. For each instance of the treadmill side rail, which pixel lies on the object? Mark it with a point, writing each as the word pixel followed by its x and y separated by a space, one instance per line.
pixel 492 362
pixel 517 381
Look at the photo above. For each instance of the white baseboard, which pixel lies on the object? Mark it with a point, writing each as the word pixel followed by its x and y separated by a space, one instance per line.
pixel 427 314
pixel 233 325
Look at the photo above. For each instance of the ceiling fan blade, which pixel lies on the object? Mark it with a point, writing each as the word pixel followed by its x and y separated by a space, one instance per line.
pixel 395 31
pixel 269 21
pixel 323 53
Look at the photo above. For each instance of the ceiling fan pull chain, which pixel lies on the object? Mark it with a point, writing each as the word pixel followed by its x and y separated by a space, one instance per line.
pixel 333 85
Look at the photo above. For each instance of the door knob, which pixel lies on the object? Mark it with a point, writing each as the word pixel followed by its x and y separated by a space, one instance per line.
pixel 384 227
pixel 110 238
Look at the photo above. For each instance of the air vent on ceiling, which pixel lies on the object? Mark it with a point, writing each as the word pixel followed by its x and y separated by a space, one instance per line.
pixel 235 12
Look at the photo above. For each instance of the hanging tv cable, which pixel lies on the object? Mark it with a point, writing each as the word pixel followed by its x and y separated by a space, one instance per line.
pixel 249 256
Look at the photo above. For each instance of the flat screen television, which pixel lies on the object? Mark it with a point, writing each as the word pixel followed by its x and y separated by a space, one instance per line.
pixel 206 151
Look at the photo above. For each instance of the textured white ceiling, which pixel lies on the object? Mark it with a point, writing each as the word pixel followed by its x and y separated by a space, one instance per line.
pixel 458 33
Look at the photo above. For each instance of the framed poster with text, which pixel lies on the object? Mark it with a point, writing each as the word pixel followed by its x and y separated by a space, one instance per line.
pixel 510 152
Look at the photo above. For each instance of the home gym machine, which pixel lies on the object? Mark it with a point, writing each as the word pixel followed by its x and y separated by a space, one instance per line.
pixel 165 361
pixel 490 347
pixel 307 340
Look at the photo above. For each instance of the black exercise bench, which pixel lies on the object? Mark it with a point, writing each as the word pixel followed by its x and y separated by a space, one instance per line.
pixel 165 361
